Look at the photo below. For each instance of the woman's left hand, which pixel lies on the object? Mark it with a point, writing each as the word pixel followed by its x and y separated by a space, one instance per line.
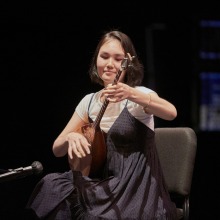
pixel 117 93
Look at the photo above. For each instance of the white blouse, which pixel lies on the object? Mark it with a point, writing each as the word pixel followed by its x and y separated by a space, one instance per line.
pixel 113 110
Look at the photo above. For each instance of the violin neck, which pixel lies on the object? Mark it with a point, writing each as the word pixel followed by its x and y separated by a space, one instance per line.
pixel 97 121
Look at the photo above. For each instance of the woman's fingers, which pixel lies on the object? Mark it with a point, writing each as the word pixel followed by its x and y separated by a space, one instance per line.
pixel 78 145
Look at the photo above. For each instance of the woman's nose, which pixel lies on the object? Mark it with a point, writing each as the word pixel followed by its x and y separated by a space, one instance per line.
pixel 110 63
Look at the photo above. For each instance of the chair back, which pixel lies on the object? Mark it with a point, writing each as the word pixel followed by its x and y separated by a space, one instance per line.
pixel 176 148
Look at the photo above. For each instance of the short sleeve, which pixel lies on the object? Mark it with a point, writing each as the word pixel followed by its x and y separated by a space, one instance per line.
pixel 82 107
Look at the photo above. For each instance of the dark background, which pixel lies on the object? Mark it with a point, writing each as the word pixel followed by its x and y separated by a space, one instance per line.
pixel 46 49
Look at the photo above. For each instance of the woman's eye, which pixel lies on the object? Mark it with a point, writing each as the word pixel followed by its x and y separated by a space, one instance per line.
pixel 104 57
pixel 119 60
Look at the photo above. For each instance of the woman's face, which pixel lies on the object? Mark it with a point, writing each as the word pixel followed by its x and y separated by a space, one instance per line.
pixel 109 61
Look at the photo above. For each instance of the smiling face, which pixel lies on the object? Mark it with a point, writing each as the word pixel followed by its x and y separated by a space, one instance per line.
pixel 109 61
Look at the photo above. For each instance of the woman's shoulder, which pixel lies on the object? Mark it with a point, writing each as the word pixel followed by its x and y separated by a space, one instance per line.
pixel 92 95
pixel 144 89
pixel 89 96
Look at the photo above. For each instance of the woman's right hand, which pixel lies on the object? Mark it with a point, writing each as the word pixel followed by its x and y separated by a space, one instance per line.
pixel 77 144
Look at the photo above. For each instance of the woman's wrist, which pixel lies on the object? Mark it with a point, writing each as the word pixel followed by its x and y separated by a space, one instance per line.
pixel 146 107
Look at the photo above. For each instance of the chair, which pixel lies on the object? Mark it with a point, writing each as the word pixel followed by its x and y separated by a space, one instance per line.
pixel 176 148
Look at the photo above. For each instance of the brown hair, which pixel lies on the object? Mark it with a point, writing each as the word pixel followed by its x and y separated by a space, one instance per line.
pixel 134 74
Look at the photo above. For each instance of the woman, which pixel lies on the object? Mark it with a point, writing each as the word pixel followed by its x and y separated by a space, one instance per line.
pixel 131 184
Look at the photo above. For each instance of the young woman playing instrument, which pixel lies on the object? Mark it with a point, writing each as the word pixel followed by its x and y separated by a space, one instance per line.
pixel 117 121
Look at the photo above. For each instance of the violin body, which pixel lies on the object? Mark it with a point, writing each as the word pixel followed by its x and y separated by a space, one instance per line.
pixel 92 165
pixel 96 138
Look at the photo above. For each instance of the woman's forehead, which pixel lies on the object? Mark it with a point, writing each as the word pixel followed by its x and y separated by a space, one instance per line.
pixel 112 45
